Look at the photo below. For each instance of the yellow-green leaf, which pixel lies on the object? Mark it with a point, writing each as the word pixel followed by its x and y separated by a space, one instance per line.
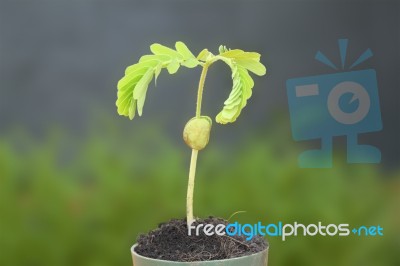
pixel 132 109
pixel 157 72
pixel 240 62
pixel 190 63
pixel 183 50
pixel 232 53
pixel 132 87
pixel 141 86
pixel 203 55
pixel 253 66
pixel 173 67
pixel 159 49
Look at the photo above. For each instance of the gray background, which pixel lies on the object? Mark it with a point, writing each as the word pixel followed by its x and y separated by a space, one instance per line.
pixel 60 60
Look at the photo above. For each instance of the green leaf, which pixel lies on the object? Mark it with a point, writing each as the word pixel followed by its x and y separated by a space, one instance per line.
pixel 141 66
pixel 222 49
pixel 253 66
pixel 140 104
pixel 240 54
pixel 183 50
pixel 240 63
pixel 159 49
pixel 173 67
pixel 158 58
pixel 132 88
pixel 157 72
pixel 141 86
pixel 232 53
pixel 131 79
pixel 132 109
pixel 140 91
pixel 190 63
pixel 203 55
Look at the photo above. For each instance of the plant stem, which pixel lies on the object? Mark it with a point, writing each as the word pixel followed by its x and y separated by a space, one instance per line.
pixel 200 89
pixel 189 198
pixel 193 160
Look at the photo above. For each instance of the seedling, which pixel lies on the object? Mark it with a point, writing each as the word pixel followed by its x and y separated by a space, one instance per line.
pixel 133 86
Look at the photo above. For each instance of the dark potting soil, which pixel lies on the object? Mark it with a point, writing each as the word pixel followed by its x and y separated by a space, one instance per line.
pixel 170 241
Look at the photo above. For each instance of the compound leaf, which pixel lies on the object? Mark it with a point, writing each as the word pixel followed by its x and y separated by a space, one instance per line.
pixel 240 63
pixel 132 88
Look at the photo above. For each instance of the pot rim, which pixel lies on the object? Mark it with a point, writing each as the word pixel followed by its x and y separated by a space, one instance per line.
pixel 206 261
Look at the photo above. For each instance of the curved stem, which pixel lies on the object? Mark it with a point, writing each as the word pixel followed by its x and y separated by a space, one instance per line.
pixel 193 160
pixel 200 89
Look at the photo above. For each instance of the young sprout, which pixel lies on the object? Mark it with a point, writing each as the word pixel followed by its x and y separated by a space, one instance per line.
pixel 133 86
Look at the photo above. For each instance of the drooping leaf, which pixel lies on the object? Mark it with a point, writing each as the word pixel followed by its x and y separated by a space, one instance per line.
pixel 132 88
pixel 132 109
pixel 157 72
pixel 141 86
pixel 141 65
pixel 240 63
pixel 173 67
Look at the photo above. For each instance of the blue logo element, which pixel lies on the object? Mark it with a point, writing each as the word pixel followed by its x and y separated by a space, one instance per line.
pixel 339 104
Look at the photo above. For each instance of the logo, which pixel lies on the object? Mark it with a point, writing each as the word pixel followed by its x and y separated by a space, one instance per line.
pixel 345 103
pixel 249 231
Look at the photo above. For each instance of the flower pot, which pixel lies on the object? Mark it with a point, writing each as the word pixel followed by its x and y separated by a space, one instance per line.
pixel 257 259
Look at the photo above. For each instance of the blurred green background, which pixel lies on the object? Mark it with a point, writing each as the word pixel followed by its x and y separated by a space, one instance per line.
pixel 65 201
pixel 78 183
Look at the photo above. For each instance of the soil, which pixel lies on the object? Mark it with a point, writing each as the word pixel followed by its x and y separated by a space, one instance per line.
pixel 170 241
